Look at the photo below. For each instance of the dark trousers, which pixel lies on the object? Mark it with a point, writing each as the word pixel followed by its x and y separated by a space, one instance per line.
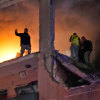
pixel 25 47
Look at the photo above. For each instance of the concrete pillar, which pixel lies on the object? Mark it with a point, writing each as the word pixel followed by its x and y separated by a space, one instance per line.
pixel 46 29
pixel 48 90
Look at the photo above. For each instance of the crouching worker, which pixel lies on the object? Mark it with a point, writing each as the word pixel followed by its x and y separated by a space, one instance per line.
pixel 25 41
pixel 86 47
pixel 74 39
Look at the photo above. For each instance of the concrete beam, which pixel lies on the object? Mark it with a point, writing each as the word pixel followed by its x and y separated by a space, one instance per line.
pixel 7 3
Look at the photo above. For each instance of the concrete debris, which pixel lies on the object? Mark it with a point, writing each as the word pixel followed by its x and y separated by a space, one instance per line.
pixel 63 69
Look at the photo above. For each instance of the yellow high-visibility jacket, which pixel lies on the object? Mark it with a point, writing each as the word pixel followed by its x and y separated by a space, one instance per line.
pixel 74 40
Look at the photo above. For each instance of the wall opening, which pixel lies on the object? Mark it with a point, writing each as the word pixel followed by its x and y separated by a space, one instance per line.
pixel 3 95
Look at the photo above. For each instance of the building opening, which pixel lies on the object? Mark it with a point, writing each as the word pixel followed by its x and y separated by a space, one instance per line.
pixel 29 91
pixel 3 95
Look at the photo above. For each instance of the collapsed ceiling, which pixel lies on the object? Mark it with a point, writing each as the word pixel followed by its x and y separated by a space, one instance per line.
pixel 72 74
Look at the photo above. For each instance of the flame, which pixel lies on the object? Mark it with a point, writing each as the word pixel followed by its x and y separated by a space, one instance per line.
pixel 7 57
pixel 9 48
pixel 8 54
pixel 18 16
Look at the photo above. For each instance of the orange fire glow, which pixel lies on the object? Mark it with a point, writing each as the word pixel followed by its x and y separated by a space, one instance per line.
pixel 16 17
pixel 20 16
pixel 10 46
pixel 8 51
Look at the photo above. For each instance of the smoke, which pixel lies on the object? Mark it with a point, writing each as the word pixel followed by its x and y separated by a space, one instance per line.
pixel 80 16
pixel 22 15
pixel 19 16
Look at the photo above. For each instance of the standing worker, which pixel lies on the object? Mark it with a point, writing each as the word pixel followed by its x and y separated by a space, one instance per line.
pixel 25 41
pixel 74 39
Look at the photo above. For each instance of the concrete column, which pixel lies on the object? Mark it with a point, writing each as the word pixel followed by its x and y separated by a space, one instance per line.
pixel 48 90
pixel 46 29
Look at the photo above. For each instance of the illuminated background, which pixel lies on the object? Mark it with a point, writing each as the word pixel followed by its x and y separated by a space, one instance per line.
pixel 20 16
pixel 70 16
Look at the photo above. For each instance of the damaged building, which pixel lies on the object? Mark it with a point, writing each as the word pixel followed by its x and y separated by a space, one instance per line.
pixel 47 74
